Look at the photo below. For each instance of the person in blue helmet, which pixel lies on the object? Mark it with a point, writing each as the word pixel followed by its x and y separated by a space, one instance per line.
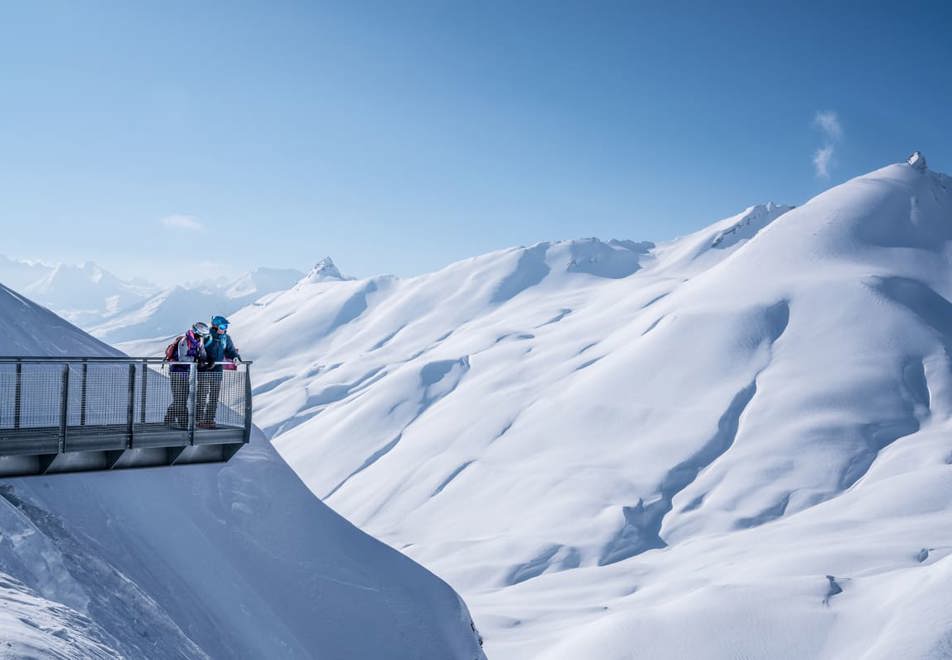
pixel 220 352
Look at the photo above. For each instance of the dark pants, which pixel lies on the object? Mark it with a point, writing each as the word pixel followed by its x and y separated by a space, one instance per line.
pixel 177 413
pixel 209 387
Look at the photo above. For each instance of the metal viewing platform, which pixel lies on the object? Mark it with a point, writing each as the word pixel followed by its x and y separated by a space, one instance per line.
pixel 78 414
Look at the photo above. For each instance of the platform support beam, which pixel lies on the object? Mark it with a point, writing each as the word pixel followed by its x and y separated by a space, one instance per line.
pixel 142 395
pixel 64 409
pixel 18 396
pixel 193 397
pixel 82 396
pixel 131 404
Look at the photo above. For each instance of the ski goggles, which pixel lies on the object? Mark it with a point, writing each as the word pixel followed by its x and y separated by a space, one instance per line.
pixel 223 327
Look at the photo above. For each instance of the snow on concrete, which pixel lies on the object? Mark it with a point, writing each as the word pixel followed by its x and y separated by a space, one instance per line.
pixel 734 444
pixel 222 561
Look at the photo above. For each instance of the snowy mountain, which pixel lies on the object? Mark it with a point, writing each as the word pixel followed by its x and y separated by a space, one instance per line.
pixel 83 294
pixel 86 293
pixel 324 270
pixel 171 311
pixel 18 274
pixel 731 445
pixel 220 561
pixel 118 311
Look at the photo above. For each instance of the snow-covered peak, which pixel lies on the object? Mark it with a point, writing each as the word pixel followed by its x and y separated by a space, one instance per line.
pixel 917 160
pixel 323 270
pixel 19 273
pixel 75 278
pixel 85 293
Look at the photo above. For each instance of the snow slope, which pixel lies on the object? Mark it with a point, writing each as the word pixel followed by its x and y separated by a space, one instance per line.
pixel 223 561
pixel 731 445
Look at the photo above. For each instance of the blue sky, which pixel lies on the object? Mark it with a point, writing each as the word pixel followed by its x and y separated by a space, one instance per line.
pixel 181 140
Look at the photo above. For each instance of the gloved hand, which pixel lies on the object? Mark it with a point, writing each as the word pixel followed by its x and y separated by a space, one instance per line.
pixel 236 361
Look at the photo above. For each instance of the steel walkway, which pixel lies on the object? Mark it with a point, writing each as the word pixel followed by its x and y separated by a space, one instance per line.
pixel 78 414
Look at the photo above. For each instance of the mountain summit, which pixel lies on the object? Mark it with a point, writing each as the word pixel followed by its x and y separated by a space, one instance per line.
pixel 917 160
pixel 323 270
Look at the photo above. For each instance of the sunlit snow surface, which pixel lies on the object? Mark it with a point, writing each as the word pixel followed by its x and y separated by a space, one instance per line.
pixel 732 445
pixel 221 561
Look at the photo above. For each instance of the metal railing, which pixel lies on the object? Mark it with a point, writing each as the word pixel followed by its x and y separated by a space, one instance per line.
pixel 68 414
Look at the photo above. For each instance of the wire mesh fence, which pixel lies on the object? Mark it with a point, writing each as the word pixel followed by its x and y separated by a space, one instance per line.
pixel 121 396
pixel 153 397
pixel 31 395
pixel 98 395
pixel 220 398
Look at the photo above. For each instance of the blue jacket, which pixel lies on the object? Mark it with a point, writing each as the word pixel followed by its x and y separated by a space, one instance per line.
pixel 218 348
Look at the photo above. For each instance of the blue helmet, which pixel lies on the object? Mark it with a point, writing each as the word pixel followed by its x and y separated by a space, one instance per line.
pixel 220 321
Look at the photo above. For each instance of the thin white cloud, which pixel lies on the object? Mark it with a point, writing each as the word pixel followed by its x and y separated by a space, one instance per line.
pixel 821 161
pixel 829 122
pixel 179 221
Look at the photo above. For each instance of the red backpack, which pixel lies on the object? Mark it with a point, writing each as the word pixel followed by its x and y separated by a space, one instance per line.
pixel 171 351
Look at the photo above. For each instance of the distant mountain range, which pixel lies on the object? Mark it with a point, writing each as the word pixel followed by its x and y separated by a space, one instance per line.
pixel 117 310
pixel 171 311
